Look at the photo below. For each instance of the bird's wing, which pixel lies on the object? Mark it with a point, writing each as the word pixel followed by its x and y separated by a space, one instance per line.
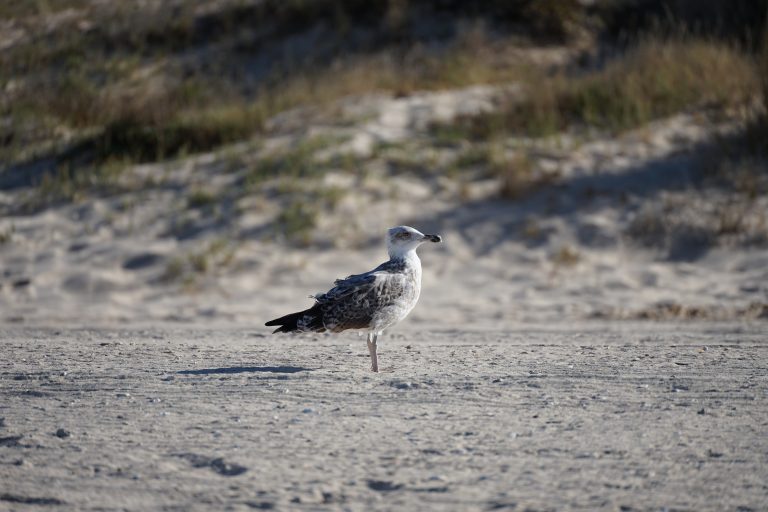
pixel 356 283
pixel 353 302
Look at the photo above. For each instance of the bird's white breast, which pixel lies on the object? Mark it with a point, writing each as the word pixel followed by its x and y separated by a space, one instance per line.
pixel 402 305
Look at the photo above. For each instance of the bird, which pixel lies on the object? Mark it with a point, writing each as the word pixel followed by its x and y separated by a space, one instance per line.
pixel 372 301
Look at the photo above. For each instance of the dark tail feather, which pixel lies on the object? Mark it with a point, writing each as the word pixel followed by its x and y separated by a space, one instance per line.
pixel 288 323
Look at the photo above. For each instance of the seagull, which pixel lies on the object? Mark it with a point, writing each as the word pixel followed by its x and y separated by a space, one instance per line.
pixel 373 301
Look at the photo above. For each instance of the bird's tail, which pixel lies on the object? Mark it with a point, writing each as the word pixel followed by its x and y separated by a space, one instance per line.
pixel 311 320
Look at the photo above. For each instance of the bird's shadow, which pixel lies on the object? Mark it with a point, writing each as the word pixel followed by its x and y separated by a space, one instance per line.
pixel 245 369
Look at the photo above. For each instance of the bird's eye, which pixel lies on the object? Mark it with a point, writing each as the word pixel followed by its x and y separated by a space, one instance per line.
pixel 404 235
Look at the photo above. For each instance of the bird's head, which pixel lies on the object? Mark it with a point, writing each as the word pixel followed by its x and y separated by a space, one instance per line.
pixel 403 239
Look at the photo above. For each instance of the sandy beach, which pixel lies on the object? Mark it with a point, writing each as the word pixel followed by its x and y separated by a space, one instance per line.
pixel 598 416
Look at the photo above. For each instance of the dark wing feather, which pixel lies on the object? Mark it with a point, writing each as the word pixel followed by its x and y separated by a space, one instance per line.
pixel 354 301
pixel 347 286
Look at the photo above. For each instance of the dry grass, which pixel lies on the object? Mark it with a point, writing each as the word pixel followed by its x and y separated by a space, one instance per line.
pixel 519 176
pixel 564 257
pixel 123 75
pixel 69 183
pixel 190 268
pixel 659 78
pixel 654 79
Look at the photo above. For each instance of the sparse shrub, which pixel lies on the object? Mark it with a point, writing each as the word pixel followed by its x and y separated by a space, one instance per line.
pixel 565 256
pixel 201 198
pixel 151 140
pixel 731 219
pixel 515 175
pixel 330 197
pixel 518 176
pixel 297 221
pixel 557 19
pixel 531 229
pixel 295 163
pixel 70 183
pixel 6 235
pixel 187 269
pixel 199 262
pixel 174 270
pixel 649 227
pixel 475 156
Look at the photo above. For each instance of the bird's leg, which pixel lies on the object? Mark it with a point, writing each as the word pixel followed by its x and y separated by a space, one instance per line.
pixel 372 349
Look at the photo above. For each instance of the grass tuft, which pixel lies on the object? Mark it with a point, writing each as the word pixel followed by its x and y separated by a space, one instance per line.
pixel 189 268
pixel 146 140
pixel 201 198
pixel 565 256
pixel 518 176
pixel 297 221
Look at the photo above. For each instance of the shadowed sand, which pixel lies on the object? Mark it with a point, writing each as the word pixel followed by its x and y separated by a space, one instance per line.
pixel 599 416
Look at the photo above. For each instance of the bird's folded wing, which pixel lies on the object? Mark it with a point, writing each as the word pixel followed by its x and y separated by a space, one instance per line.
pixel 347 286
pixel 384 283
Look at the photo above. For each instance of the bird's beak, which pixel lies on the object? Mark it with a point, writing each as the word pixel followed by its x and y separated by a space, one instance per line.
pixel 433 238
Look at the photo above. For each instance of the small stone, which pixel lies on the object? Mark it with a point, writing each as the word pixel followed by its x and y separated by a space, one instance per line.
pixel 701 411
pixel 61 433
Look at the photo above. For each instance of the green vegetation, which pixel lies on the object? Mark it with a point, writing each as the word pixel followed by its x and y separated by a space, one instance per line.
pixel 190 268
pixel 70 183
pixel 148 140
pixel 201 198
pixel 6 235
pixel 565 256
pixel 298 162
pixel 297 221
pixel 298 218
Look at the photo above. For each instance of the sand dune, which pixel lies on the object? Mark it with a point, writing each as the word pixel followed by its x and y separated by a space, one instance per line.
pixel 624 230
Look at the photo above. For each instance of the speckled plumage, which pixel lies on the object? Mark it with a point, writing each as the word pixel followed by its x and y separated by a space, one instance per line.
pixel 371 301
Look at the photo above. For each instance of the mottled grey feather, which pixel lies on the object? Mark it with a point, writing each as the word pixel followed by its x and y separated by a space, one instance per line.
pixel 365 301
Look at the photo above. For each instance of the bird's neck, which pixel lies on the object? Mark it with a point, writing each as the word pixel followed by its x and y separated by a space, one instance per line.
pixel 409 258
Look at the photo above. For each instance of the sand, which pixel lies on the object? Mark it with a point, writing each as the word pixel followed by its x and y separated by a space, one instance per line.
pixel 595 416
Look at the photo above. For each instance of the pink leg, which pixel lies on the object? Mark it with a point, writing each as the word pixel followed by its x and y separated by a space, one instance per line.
pixel 372 350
